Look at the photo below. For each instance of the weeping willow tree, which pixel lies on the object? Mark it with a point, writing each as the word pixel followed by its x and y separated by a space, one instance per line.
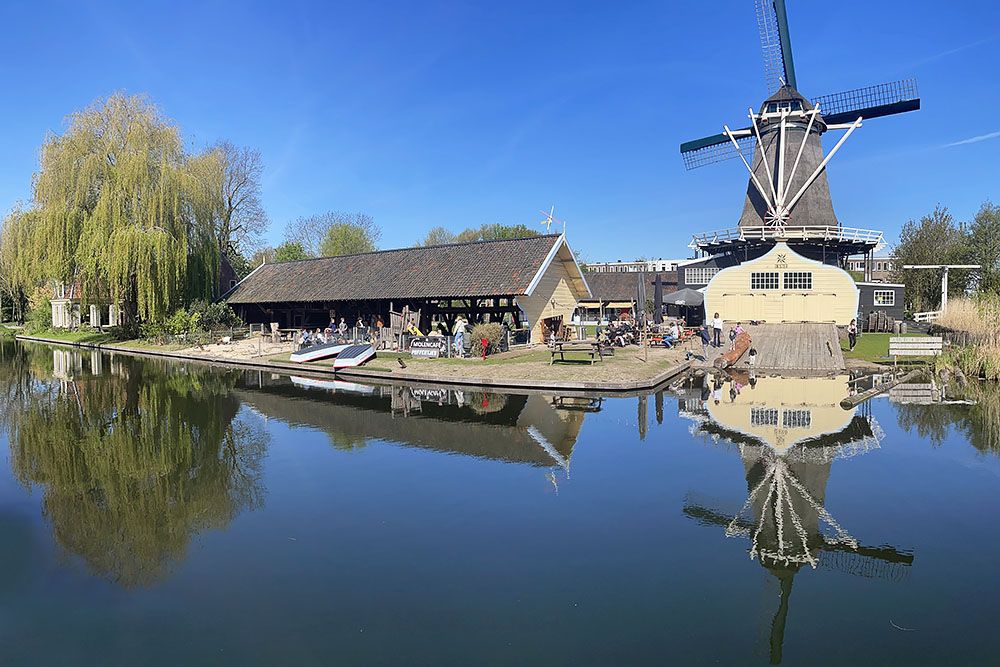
pixel 119 209
pixel 18 263
pixel 135 462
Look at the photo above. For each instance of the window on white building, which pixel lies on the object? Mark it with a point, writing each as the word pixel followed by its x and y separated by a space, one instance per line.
pixel 885 297
pixel 699 276
pixel 798 280
pixel 763 416
pixel 796 419
pixel 764 280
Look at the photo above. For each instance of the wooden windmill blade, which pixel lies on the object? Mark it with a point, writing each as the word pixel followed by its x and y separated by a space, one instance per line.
pixel 884 99
pixel 775 44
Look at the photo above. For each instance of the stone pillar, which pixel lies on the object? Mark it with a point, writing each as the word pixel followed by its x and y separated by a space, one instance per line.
pixel 113 315
pixel 95 316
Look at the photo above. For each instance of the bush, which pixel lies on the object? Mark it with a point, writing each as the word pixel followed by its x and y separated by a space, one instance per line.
pixel 39 318
pixel 178 323
pixel 211 316
pixel 491 332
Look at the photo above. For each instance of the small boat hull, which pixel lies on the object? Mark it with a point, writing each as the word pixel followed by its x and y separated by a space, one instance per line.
pixel 354 355
pixel 318 352
pixel 740 346
pixel 336 386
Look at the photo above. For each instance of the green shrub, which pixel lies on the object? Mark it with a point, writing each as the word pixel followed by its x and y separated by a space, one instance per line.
pixel 39 318
pixel 178 323
pixel 212 316
pixel 491 332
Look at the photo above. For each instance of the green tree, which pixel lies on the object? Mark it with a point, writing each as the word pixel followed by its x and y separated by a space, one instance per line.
pixel 289 251
pixel 984 242
pixel 355 232
pixel 437 236
pixel 345 239
pixel 116 211
pixel 17 264
pixel 495 232
pixel 934 239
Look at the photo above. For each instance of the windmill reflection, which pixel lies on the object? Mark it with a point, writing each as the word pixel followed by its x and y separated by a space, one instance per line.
pixel 788 432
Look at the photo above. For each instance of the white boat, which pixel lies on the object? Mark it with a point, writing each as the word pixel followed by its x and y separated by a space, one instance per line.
pixel 336 386
pixel 354 355
pixel 317 352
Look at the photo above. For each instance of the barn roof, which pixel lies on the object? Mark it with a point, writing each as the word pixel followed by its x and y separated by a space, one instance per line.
pixel 476 269
pixel 622 286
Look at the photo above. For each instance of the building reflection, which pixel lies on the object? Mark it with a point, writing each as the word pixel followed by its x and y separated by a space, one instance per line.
pixel 530 429
pixel 788 433
pixel 133 457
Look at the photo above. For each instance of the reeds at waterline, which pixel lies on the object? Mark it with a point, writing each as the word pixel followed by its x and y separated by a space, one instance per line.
pixel 972 327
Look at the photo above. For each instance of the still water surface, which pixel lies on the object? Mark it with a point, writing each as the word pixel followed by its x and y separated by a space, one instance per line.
pixel 162 513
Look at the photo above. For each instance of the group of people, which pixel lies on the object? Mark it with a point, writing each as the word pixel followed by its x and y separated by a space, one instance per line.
pixel 619 333
pixel 710 334
pixel 339 332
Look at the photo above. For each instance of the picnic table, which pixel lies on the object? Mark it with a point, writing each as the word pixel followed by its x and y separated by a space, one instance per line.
pixel 561 347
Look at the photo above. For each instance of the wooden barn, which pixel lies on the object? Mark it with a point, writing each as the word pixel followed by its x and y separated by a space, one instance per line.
pixel 535 282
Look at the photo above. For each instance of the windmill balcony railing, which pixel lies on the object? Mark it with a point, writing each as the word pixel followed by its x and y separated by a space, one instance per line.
pixel 866 237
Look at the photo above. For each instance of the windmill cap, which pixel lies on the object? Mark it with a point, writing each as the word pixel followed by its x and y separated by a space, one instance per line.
pixel 787 94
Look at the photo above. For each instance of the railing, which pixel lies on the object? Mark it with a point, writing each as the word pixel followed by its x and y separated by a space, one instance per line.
pixel 739 234
pixel 928 316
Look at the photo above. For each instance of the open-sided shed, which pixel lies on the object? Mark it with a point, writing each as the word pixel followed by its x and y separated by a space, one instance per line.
pixel 536 280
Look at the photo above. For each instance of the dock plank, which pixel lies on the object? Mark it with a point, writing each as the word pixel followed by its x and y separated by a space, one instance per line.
pixel 803 347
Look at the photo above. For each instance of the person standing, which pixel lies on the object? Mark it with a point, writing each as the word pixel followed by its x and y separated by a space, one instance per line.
pixel 459 332
pixel 717 331
pixel 852 334
pixel 703 335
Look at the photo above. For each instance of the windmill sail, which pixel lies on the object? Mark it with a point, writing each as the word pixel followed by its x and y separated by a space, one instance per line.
pixel 885 99
pixel 716 148
pixel 775 44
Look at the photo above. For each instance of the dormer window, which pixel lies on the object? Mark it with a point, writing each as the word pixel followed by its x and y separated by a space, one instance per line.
pixel 785 105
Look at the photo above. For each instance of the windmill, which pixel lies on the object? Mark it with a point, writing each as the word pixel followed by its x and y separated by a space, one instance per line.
pixel 548 220
pixel 781 147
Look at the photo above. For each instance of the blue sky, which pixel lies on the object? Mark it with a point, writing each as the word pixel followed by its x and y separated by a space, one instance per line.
pixel 462 113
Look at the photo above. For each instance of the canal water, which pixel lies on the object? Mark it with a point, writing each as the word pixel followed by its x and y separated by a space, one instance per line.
pixel 162 513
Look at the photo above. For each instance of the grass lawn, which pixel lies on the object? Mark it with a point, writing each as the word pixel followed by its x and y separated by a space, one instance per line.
pixel 82 336
pixel 874 347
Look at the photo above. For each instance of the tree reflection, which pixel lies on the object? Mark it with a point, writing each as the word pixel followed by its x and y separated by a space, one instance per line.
pixel 978 422
pixel 135 462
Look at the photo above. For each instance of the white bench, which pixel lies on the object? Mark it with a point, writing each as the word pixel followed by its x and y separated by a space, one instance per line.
pixel 915 346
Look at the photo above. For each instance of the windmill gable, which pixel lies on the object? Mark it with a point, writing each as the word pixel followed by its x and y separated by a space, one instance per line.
pixel 783 286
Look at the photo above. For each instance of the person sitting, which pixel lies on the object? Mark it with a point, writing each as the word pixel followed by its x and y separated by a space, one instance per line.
pixel 673 335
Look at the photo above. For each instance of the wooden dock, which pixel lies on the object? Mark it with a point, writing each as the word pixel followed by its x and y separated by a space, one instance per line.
pixel 796 347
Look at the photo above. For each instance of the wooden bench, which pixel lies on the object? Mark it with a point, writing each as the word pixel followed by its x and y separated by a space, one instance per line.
pixel 915 346
pixel 561 347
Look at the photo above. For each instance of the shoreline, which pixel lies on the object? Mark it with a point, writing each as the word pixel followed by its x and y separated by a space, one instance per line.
pixel 391 376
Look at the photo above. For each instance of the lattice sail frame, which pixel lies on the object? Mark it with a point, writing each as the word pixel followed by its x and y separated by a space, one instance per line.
pixel 720 152
pixel 868 97
pixel 770 44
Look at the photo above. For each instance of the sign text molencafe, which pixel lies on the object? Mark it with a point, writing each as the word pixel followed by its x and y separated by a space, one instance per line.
pixel 431 347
